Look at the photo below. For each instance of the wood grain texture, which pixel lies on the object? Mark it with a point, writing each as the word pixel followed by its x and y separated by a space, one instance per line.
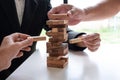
pixel 38 38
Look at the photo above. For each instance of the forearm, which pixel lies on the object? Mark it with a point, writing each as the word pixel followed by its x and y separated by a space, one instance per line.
pixel 4 61
pixel 103 10
pixel 3 64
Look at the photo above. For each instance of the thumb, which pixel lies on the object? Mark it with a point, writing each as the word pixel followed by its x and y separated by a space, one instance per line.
pixel 25 43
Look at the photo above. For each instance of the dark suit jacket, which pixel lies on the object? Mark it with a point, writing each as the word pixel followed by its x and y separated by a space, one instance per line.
pixel 34 20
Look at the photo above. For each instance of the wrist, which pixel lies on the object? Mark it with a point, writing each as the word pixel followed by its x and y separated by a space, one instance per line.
pixel 82 14
pixel 5 62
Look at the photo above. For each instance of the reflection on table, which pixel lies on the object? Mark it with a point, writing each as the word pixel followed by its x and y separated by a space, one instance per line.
pixel 103 64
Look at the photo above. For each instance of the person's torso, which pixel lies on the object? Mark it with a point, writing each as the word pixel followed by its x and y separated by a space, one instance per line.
pixel 34 17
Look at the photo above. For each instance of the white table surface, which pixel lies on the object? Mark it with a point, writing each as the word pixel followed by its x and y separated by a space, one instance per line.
pixel 104 64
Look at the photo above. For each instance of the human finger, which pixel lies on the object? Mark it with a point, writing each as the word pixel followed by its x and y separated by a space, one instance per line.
pixel 20 54
pixel 93 48
pixel 15 36
pixel 25 43
pixel 26 49
pixel 63 8
pixel 90 37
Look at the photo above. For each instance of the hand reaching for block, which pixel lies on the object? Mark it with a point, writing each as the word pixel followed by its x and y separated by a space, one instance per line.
pixel 91 41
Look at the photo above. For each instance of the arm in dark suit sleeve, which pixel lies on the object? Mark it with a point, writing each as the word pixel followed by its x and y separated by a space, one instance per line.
pixel 71 35
pixel 49 6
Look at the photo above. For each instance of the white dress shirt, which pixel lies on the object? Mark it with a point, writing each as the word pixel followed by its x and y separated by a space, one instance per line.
pixel 20 4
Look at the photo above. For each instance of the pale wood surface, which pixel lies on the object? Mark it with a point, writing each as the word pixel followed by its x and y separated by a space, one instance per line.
pixel 76 40
pixel 38 38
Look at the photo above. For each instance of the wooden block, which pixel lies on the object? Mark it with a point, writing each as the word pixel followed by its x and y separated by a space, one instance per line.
pixel 54 58
pixel 56 22
pixel 55 34
pixel 56 45
pixel 61 63
pixel 55 53
pixel 58 51
pixel 59 16
pixel 59 26
pixel 38 38
pixel 59 38
pixel 53 45
pixel 76 40
pixel 59 30
pixel 64 30
pixel 54 40
pixel 54 30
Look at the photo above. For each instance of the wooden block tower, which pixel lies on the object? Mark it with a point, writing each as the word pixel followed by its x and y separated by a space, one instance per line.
pixel 56 48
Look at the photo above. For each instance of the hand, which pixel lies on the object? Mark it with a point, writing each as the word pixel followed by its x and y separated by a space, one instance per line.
pixel 75 15
pixel 17 42
pixel 13 45
pixel 91 41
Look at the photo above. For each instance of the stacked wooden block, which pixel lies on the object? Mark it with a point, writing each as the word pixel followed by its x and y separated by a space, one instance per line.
pixel 56 48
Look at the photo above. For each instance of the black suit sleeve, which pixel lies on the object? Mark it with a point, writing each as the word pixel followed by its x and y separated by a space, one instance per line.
pixel 49 6
pixel 71 35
